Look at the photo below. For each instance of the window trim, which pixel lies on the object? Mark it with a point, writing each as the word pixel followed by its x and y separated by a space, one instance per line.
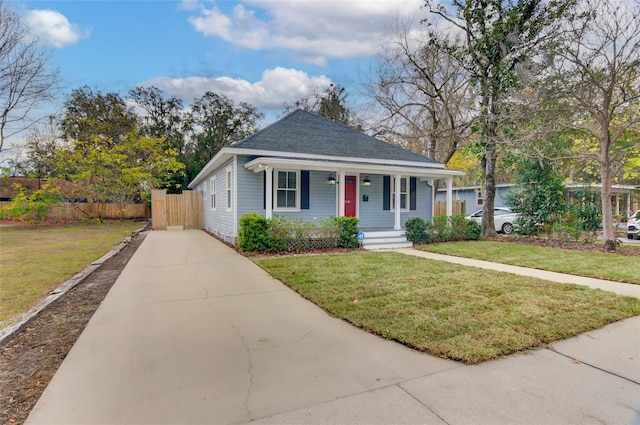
pixel 213 193
pixel 275 191
pixel 229 188
pixel 392 189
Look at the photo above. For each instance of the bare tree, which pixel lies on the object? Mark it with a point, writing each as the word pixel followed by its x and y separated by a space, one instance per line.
pixel 331 104
pixel 595 73
pixel 25 78
pixel 425 95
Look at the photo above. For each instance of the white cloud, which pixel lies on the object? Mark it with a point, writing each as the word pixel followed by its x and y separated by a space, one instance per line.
pixel 313 30
pixel 53 28
pixel 277 86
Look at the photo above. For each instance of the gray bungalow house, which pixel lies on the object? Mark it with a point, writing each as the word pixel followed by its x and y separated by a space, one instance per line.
pixel 310 167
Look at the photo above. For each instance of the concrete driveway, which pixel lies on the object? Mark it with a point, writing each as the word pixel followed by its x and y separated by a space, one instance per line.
pixel 193 333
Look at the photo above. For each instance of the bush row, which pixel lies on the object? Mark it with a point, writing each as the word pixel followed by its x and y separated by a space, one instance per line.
pixel 281 234
pixel 442 229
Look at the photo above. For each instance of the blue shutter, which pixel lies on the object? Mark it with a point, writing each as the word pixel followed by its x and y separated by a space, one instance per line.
pixel 386 193
pixel 412 194
pixel 304 187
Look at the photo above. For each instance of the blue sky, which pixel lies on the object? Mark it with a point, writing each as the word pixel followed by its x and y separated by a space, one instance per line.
pixel 259 51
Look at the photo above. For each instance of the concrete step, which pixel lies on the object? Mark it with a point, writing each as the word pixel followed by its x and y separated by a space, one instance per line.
pixel 387 239
pixel 382 233
pixel 396 245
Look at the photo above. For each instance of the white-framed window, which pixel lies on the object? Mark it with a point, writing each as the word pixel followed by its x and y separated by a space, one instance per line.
pixel 286 190
pixel 212 193
pixel 404 194
pixel 229 187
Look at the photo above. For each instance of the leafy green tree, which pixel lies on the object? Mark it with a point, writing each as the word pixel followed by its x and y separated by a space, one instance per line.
pixel 499 37
pixel 213 123
pixel 538 196
pixel 126 172
pixel 164 117
pixel 96 118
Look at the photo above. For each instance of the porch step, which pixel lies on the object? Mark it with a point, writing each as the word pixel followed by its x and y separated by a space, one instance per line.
pixel 392 239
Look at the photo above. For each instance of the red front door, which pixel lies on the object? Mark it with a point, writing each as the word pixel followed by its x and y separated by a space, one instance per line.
pixel 350 194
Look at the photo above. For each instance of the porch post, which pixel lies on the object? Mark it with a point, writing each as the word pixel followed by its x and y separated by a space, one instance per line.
pixel 396 225
pixel 341 193
pixel 617 203
pixel 449 196
pixel 269 195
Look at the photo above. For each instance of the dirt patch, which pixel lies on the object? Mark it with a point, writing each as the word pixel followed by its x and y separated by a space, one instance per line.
pixel 29 361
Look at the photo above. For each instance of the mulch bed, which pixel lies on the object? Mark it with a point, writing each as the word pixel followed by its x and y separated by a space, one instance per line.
pixel 572 245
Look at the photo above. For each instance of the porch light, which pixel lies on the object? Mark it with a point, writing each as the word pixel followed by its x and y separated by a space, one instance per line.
pixel 331 180
pixel 366 182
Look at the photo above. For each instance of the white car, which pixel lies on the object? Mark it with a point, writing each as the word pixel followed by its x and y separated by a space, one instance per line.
pixel 633 226
pixel 503 219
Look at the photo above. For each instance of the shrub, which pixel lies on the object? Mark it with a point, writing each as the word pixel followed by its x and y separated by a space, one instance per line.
pixel 253 234
pixel 281 233
pixel 474 230
pixel 416 229
pixel 35 207
pixel 348 232
pixel 455 228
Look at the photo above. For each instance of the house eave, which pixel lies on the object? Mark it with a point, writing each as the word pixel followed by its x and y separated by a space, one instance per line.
pixel 414 169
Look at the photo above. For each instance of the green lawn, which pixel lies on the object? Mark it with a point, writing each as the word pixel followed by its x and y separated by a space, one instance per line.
pixel 601 265
pixel 36 260
pixel 447 310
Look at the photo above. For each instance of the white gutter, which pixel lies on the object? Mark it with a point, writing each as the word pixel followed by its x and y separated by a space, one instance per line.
pixel 258 165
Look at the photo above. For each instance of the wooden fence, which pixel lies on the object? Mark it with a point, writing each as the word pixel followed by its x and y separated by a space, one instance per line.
pixel 185 209
pixel 459 208
pixel 69 212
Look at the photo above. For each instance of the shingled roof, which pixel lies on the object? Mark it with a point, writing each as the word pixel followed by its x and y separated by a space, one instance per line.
pixel 302 132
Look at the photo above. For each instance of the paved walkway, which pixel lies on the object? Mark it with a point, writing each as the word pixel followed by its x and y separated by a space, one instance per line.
pixel 193 333
pixel 607 285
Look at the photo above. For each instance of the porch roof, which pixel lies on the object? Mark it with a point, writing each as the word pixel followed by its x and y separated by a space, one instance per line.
pixel 336 165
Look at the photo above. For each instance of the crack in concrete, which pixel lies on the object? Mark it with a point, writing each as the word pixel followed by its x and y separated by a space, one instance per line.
pixel 249 357
pixel 284 344
pixel 421 403
pixel 553 350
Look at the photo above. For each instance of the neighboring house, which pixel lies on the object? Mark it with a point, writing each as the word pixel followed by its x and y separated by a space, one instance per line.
pixel 623 198
pixel 70 191
pixel 473 198
pixel 310 167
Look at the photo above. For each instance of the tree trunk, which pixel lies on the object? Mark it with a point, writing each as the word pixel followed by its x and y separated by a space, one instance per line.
pixel 489 191
pixel 605 199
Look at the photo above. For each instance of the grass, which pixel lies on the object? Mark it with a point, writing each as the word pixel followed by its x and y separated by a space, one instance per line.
pixel 36 260
pixel 600 265
pixel 450 311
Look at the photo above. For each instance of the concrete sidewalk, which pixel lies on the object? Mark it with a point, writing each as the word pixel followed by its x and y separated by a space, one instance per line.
pixel 607 285
pixel 193 333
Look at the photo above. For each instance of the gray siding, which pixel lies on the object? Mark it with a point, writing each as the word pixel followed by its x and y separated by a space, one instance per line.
pixel 322 197
pixel 219 222
pixel 469 196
